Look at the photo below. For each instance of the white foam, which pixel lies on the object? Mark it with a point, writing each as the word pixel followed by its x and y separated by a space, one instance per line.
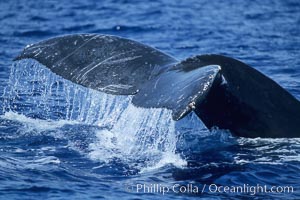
pixel 37 124
pixel 166 159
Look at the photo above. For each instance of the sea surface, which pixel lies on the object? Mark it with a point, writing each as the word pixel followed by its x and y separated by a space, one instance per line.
pixel 59 140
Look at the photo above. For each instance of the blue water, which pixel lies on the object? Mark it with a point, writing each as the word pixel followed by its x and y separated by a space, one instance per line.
pixel 62 141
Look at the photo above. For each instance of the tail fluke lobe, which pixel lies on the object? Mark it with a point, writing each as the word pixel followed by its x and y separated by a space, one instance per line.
pixel 178 90
pixel 102 62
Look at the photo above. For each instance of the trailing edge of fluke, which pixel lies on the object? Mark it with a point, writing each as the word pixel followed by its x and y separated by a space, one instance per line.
pixel 222 91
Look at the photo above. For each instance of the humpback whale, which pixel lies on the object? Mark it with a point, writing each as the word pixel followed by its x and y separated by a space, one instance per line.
pixel 222 91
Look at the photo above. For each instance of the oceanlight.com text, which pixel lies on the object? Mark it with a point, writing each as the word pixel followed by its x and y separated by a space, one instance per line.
pixel 192 188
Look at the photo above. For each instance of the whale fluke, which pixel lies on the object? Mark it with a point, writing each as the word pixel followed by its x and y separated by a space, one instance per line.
pixel 222 91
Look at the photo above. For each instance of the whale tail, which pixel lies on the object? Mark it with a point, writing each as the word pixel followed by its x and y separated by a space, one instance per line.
pixel 222 91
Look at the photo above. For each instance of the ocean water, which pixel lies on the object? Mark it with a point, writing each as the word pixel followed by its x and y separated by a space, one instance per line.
pixel 59 140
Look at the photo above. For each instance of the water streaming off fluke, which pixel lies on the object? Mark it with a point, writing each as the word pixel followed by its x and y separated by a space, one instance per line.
pixel 124 131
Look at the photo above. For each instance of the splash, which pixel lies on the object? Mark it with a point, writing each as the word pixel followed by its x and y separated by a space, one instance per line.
pixel 42 100
pixel 144 137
